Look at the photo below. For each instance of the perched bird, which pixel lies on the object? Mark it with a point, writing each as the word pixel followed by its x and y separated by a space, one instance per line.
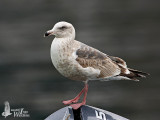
pixel 78 61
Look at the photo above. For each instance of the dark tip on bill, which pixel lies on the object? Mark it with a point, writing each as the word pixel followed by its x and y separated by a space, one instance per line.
pixel 46 34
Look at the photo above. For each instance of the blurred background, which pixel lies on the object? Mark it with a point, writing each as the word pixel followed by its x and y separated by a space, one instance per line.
pixel 128 29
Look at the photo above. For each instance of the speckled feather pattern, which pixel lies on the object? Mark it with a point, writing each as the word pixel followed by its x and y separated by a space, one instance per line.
pixel 63 55
pixel 78 61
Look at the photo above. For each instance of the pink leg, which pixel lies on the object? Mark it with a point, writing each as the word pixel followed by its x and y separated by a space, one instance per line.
pixel 76 106
pixel 75 99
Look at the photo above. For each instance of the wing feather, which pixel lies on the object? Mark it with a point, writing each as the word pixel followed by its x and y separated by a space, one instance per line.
pixel 90 57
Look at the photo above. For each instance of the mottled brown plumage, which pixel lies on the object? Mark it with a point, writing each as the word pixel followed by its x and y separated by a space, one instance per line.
pixel 108 65
pixel 90 57
pixel 81 62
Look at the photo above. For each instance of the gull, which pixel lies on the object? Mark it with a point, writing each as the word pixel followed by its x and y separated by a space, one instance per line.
pixel 80 62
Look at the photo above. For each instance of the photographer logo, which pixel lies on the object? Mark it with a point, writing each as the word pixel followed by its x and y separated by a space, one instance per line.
pixel 20 112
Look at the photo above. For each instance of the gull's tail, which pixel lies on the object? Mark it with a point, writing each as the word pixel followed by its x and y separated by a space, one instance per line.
pixel 127 73
pixel 138 73
pixel 134 74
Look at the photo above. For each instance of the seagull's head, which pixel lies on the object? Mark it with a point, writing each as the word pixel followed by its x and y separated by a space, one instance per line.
pixel 62 30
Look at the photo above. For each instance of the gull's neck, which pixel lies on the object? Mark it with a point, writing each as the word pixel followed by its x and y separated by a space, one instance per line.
pixel 64 41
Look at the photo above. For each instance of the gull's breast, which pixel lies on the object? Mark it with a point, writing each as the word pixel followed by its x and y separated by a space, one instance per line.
pixel 63 58
pixel 63 55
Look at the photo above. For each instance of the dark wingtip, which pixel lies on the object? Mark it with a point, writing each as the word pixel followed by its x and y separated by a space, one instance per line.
pixel 138 72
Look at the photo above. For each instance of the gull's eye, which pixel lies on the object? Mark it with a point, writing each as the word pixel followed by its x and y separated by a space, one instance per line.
pixel 63 27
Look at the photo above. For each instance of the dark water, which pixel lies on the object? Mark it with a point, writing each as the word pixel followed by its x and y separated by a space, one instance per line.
pixel 128 29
